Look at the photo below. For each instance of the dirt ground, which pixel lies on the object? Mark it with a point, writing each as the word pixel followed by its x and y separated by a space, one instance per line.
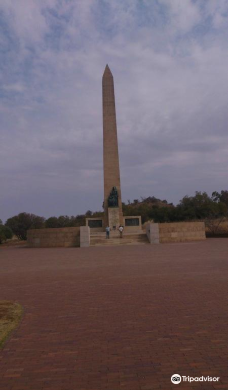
pixel 117 317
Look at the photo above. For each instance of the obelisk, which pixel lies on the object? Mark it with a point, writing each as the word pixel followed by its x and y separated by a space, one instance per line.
pixel 113 215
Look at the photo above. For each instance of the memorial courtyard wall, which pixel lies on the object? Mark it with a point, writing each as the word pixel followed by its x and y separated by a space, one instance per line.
pixel 159 233
pixel 181 231
pixel 56 237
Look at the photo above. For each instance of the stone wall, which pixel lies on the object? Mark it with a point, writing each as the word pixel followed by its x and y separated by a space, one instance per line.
pixel 47 238
pixel 181 231
pixel 175 232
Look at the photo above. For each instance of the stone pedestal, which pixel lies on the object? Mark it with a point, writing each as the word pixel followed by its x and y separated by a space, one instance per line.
pixel 84 236
pixel 152 231
pixel 113 217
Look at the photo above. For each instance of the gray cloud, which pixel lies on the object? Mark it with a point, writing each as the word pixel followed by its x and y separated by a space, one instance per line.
pixel 169 60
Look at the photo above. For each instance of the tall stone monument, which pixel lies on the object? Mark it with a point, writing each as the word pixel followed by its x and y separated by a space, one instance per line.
pixel 113 215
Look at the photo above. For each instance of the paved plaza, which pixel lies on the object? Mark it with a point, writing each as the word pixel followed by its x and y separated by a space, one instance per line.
pixel 116 317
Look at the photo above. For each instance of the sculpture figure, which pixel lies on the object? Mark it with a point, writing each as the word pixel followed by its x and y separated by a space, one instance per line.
pixel 113 198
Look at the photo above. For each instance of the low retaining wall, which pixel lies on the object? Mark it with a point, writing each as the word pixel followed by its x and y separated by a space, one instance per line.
pixel 51 238
pixel 175 232
pixel 181 231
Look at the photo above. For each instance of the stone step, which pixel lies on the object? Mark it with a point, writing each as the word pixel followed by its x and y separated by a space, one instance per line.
pixel 93 242
pixel 111 243
pixel 122 244
pixel 119 243
pixel 128 239
pixel 116 233
pixel 132 237
pixel 115 236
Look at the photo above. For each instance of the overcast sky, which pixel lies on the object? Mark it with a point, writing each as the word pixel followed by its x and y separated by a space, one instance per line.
pixel 169 59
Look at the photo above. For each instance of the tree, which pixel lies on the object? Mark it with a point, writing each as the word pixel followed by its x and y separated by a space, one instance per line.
pixel 220 197
pixel 98 214
pixel 5 233
pixel 52 222
pixel 224 197
pixel 216 216
pixel 201 206
pixel 19 224
pixel 64 221
pixel 161 214
pixel 215 196
pixel 196 207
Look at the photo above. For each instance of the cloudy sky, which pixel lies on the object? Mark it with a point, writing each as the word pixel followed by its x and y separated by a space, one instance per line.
pixel 169 59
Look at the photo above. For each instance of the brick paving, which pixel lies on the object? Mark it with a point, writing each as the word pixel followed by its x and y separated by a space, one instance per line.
pixel 117 317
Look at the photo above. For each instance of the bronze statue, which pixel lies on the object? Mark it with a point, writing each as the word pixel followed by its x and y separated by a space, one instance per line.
pixel 113 198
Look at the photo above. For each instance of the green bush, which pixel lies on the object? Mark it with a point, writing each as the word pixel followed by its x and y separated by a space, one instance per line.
pixel 22 222
pixel 5 233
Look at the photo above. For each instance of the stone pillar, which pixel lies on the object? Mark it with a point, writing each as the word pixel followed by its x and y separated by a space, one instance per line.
pixel 113 217
pixel 84 236
pixel 110 145
pixel 152 231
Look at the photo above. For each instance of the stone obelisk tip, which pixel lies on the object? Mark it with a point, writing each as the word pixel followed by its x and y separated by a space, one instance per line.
pixel 107 71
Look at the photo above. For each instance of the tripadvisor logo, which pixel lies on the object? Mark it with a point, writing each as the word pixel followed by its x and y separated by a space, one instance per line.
pixel 176 379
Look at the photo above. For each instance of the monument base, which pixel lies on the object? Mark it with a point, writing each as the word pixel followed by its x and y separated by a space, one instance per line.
pixel 114 217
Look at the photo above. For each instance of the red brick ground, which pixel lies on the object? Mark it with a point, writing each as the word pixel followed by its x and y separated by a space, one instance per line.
pixel 116 318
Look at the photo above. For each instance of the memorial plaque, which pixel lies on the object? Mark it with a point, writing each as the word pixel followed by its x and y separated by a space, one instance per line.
pixel 131 221
pixel 96 223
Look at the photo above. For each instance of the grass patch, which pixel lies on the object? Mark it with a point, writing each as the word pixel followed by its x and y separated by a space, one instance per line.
pixel 10 315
